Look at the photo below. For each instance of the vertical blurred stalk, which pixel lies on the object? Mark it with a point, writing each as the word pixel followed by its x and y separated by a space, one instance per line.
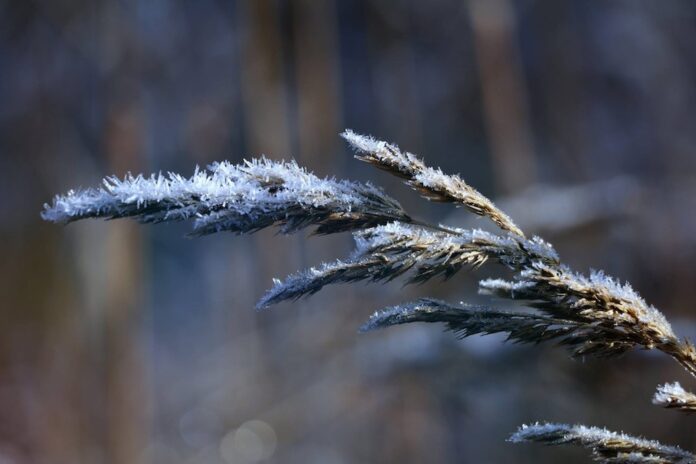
pixel 127 405
pixel 265 104
pixel 504 94
pixel 263 79
pixel 317 74
pixel 119 414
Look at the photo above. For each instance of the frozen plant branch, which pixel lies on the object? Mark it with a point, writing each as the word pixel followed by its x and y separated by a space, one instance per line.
pixel 583 338
pixel 386 252
pixel 261 193
pixel 591 314
pixel 546 284
pixel 237 198
pixel 432 183
pixel 673 396
pixel 606 447
pixel 598 299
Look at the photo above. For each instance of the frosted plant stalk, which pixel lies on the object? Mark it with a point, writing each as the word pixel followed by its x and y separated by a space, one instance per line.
pixel 431 183
pixel 673 396
pixel 606 446
pixel 386 252
pixel 583 338
pixel 236 198
pixel 593 315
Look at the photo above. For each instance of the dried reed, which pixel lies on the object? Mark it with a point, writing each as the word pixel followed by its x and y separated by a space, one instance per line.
pixel 607 447
pixel 593 315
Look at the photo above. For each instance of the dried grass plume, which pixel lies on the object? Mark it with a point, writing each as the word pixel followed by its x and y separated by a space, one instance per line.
pixel 590 314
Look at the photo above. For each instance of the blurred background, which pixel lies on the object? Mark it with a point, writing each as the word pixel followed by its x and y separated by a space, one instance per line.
pixel 121 343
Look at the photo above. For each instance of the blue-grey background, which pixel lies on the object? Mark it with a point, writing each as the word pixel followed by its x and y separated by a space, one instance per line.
pixel 121 343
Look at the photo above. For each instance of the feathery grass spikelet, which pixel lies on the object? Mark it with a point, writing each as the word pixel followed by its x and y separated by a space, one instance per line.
pixel 422 310
pixel 581 337
pixel 261 193
pixel 312 280
pixel 606 446
pixel 598 299
pixel 592 315
pixel 673 396
pixel 237 198
pixel 386 252
pixel 432 183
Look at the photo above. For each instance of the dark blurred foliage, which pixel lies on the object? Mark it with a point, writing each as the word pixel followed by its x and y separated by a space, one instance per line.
pixel 128 344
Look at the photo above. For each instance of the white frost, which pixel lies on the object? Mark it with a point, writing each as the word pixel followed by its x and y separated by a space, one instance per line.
pixel 224 195
pixel 602 441
pixel 673 395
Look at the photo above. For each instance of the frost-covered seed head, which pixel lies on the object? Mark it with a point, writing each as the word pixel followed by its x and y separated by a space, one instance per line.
pixel 606 446
pixel 237 198
pixel 431 183
pixel 582 338
pixel 386 252
pixel 673 396
pixel 593 315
